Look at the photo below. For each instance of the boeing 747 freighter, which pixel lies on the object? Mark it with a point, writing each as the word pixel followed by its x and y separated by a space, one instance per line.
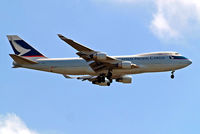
pixel 94 66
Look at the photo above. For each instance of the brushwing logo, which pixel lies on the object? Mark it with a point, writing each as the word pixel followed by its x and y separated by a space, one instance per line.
pixel 20 49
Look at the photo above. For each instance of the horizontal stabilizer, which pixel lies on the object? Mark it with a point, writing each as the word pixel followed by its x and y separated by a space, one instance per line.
pixel 20 60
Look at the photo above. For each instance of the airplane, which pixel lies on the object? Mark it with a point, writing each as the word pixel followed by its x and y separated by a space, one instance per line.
pixel 95 66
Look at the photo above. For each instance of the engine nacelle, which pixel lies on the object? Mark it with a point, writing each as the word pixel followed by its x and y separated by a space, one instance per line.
pixel 124 79
pixel 125 65
pixel 99 56
pixel 106 83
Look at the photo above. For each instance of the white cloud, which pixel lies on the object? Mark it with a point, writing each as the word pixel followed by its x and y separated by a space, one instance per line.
pixel 175 18
pixel 161 28
pixel 12 124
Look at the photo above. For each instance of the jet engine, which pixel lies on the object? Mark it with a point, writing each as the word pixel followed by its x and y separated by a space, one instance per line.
pixel 99 56
pixel 124 79
pixel 125 65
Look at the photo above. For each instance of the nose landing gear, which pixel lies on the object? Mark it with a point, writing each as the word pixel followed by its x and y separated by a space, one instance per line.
pixel 172 74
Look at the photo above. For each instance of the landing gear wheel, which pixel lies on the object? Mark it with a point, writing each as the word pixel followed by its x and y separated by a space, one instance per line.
pixel 172 74
pixel 93 82
pixel 101 78
pixel 108 84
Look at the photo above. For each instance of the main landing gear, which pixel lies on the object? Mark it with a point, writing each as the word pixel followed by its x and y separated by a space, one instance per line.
pixel 172 74
pixel 102 77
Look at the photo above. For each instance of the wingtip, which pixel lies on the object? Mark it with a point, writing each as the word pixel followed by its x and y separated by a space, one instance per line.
pixel 60 35
pixel 64 38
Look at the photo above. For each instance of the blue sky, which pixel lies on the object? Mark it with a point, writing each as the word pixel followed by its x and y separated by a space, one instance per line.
pixel 45 103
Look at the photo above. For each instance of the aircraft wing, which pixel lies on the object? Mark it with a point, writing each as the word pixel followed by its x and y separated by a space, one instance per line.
pixel 98 61
pixel 83 78
pixel 75 45
pixel 106 82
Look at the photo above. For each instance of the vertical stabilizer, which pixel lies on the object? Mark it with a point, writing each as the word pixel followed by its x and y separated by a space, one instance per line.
pixel 21 48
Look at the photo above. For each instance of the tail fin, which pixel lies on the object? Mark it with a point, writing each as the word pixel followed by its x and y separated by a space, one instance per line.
pixel 21 48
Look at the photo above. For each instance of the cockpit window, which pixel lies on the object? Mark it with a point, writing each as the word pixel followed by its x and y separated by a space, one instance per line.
pixel 177 57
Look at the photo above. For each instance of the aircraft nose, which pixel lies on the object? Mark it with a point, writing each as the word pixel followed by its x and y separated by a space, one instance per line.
pixel 189 62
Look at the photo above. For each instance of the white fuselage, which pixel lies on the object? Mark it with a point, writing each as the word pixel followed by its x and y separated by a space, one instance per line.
pixel 149 62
